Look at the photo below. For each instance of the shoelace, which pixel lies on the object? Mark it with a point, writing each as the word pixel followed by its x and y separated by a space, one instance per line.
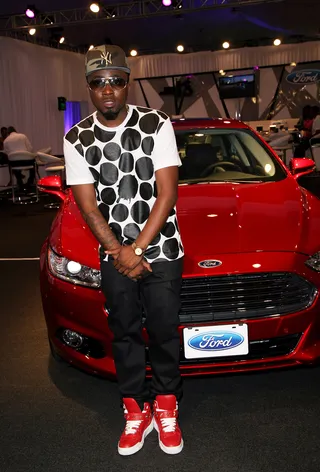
pixel 168 424
pixel 132 426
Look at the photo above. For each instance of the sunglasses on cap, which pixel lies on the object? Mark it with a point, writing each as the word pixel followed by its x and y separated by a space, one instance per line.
pixel 99 83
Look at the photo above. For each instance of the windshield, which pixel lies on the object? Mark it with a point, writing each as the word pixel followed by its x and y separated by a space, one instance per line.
pixel 215 155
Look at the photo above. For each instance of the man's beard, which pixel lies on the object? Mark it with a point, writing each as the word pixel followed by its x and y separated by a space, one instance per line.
pixel 110 115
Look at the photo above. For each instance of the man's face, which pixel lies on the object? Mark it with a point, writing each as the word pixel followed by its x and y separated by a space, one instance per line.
pixel 4 133
pixel 109 101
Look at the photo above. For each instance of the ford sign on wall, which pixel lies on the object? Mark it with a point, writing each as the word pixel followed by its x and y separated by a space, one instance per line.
pixel 304 77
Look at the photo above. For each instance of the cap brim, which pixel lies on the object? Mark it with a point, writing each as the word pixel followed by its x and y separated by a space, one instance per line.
pixel 124 69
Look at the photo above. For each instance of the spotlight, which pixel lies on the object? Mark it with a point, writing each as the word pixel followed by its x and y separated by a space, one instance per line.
pixel 61 40
pixel 91 47
pixel 277 42
pixel 32 31
pixel 30 11
pixel 226 45
pixel 94 7
pixel 180 48
pixel 293 64
pixel 222 72
pixel 133 52
pixel 166 3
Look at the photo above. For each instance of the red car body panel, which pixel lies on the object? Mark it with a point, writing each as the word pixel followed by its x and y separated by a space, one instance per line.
pixel 250 228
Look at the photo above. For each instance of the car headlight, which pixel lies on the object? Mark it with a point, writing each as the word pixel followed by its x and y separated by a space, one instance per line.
pixel 72 271
pixel 314 262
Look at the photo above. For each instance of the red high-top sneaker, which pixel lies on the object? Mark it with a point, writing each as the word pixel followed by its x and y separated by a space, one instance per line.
pixel 138 425
pixel 165 414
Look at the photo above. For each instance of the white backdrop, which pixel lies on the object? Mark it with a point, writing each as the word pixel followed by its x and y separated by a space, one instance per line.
pixel 32 77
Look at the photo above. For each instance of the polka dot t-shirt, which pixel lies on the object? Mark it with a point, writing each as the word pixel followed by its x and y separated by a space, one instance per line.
pixel 121 163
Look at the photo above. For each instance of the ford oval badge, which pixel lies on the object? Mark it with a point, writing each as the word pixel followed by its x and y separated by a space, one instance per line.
pixel 305 76
pixel 209 263
pixel 217 341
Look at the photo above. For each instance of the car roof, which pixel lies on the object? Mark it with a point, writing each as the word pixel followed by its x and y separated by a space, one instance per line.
pixel 207 123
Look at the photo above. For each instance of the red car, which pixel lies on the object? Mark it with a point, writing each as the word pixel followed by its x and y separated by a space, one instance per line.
pixel 251 274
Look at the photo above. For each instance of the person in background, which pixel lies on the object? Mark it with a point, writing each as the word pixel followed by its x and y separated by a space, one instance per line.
pixel 3 155
pixel 122 165
pixel 304 125
pixel 316 121
pixel 16 142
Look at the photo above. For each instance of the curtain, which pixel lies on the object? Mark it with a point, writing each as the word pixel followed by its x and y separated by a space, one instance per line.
pixel 72 115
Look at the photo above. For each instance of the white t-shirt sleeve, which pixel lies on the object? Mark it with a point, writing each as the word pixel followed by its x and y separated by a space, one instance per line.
pixel 77 169
pixel 165 152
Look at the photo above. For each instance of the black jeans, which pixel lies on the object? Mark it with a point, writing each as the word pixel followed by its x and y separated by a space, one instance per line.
pixel 158 295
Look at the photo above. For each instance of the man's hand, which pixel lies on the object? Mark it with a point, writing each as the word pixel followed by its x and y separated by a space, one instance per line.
pixel 142 270
pixel 125 260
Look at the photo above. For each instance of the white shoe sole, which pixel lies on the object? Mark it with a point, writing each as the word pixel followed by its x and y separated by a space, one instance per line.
pixel 128 451
pixel 167 450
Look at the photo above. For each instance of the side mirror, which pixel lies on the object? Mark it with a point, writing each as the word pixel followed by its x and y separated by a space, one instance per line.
pixel 52 184
pixel 301 166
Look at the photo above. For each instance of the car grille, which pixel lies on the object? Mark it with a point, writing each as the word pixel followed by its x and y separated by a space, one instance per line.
pixel 258 350
pixel 243 296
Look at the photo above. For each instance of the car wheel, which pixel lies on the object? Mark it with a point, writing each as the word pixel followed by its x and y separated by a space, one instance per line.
pixel 54 353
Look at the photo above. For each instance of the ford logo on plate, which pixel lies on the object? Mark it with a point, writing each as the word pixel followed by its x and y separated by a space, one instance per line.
pixel 217 341
pixel 209 264
pixel 306 76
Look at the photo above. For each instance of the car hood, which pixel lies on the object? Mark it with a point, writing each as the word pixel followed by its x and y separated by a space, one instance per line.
pixel 220 218
pixel 215 219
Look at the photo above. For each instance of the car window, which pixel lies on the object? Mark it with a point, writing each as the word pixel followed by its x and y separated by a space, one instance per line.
pixel 225 154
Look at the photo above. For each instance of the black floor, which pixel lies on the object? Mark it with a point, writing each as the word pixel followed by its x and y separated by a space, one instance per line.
pixel 55 418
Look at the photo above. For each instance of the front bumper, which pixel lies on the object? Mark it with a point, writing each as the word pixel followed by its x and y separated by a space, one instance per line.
pixel 275 341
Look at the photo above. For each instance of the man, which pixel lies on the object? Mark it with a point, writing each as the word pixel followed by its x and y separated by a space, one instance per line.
pixel 16 142
pixel 122 165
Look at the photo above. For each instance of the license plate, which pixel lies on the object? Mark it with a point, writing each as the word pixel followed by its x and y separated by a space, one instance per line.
pixel 215 341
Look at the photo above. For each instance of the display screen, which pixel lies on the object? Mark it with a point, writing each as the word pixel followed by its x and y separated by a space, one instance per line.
pixel 237 86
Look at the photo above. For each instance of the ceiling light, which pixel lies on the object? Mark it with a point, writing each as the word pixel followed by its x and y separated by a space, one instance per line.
pixel 293 64
pixel 277 42
pixel 30 11
pixel 222 72
pixel 226 45
pixel 94 7
pixel 180 48
pixel 166 3
pixel 91 47
pixel 133 52
pixel 61 40
pixel 32 31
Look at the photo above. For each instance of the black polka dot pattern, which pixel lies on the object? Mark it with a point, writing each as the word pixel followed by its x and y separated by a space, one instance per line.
pixel 120 212
pixel 149 123
pixel 79 148
pixel 168 230
pixel 93 155
pixel 131 231
pixel 72 135
pixel 121 161
pixel 87 123
pixel 112 151
pixel 146 191
pixel 108 196
pixel 103 135
pixel 144 168
pixel 104 210
pixel 140 211
pixel 170 248
pixel 117 231
pixel 86 138
pixel 108 174
pixel 128 187
pixel 133 120
pixel 126 162
pixel 147 145
pixel 130 139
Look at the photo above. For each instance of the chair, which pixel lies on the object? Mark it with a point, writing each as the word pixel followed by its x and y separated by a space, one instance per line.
pixel 22 161
pixel 53 166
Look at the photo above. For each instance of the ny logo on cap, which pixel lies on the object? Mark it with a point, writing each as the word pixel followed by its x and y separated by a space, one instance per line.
pixel 106 57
